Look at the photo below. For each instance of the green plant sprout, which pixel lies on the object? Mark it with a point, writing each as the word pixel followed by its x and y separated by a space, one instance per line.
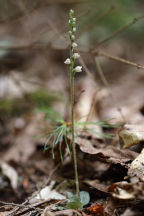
pixel 57 135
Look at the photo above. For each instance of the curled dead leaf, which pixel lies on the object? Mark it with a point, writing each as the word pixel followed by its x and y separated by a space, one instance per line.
pixel 137 166
pixel 128 191
pixel 123 191
pixel 10 173
pixel 131 135
pixel 106 152
pixel 67 212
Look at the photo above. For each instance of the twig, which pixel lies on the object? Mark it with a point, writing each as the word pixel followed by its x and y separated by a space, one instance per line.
pixel 28 207
pixel 18 207
pixel 32 207
pixel 116 58
pixel 113 34
pixel 102 76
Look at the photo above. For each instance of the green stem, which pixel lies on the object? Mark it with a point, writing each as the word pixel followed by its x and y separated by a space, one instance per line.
pixel 72 121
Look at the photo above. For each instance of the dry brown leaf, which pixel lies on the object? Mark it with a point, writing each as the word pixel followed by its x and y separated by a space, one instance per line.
pixel 67 212
pixel 106 152
pixel 128 212
pixel 10 173
pixel 137 166
pixel 98 186
pixel 128 191
pixel 96 209
pixel 4 213
pixel 131 135
pixel 24 144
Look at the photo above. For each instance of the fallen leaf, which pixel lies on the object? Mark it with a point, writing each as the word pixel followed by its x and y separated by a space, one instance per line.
pixel 96 209
pixel 67 212
pixel 4 213
pixel 103 189
pixel 84 214
pixel 137 166
pixel 106 152
pixel 128 191
pixel 131 135
pixel 10 173
pixel 47 193
pixel 128 212
pixel 123 194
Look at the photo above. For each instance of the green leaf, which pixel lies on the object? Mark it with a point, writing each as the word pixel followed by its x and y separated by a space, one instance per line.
pixel 84 197
pixel 70 195
pixel 74 202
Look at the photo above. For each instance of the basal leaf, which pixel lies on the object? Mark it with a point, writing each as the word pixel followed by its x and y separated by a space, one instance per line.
pixel 84 197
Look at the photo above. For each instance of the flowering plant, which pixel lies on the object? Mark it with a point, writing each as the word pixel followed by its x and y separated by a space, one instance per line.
pixel 71 62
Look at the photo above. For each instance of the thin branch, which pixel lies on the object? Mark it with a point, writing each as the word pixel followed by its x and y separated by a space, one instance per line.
pixel 116 58
pixel 18 207
pixel 35 206
pixel 105 82
pixel 121 29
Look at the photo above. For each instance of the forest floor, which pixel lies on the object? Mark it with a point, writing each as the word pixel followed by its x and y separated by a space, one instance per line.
pixel 110 169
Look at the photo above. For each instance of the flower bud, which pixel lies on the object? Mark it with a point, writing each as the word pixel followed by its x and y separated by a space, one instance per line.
pixel 76 55
pixel 74 29
pixel 74 45
pixel 71 12
pixel 70 33
pixel 78 69
pixel 67 61
pixel 73 37
pixel 74 19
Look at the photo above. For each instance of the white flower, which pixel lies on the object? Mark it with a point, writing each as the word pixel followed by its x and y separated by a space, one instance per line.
pixel 70 33
pixel 71 12
pixel 74 19
pixel 74 45
pixel 73 37
pixel 67 61
pixel 74 29
pixel 78 68
pixel 76 55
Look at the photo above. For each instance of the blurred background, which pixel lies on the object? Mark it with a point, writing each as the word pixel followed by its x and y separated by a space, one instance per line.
pixel 34 82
